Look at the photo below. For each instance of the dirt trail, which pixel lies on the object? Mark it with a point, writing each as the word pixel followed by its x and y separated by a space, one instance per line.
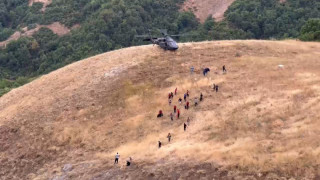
pixel 262 124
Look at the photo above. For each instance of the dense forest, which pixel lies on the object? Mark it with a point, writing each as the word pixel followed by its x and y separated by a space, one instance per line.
pixel 111 24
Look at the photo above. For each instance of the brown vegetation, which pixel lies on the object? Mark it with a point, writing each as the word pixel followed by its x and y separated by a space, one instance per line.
pixel 263 124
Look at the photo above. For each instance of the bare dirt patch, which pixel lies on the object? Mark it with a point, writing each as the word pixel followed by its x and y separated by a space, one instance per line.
pixel 203 8
pixel 56 27
pixel 45 3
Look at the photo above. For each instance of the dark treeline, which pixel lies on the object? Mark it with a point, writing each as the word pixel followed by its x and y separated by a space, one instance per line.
pixel 111 24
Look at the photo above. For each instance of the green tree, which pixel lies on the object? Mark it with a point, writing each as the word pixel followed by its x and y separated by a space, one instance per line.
pixel 311 30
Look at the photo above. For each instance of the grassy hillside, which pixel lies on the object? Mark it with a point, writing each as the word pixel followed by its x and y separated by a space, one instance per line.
pixel 262 124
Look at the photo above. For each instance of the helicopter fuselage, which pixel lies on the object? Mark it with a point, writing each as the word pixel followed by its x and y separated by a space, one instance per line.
pixel 166 43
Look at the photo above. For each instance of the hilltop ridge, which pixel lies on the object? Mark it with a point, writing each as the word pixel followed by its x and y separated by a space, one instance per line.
pixel 262 124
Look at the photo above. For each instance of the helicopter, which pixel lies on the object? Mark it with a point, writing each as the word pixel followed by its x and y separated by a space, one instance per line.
pixel 166 42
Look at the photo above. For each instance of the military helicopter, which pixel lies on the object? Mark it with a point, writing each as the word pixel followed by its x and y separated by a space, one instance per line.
pixel 166 42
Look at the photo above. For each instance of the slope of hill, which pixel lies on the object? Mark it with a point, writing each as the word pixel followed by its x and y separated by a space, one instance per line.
pixel 204 8
pixel 262 124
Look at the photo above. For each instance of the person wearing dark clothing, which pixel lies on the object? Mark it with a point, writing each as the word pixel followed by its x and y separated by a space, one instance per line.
pixel 160 114
pixel 171 94
pixel 205 71
pixel 201 97
pixel 180 100
pixel 185 97
pixel 129 161
pixel 187 93
pixel 169 137
pixel 159 144
pixel 178 114
pixel 171 117
pixel 184 126
pixel 217 88
pixel 174 108
pixel 224 69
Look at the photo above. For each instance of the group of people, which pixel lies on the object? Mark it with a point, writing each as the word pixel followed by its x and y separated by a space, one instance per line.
pixel 116 160
pixel 177 111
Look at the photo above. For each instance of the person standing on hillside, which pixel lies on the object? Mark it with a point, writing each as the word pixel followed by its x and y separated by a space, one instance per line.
pixel 175 91
pixel 171 116
pixel 201 97
pixel 224 70
pixel 195 101
pixel 116 160
pixel 217 88
pixel 187 105
pixel 184 126
pixel 178 114
pixel 171 94
pixel 185 97
pixel 191 70
pixel 180 100
pixel 187 93
pixel 174 108
pixel 159 144
pixel 169 137
pixel 170 102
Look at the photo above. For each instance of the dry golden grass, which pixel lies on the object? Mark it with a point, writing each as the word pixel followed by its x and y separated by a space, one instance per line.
pixel 264 119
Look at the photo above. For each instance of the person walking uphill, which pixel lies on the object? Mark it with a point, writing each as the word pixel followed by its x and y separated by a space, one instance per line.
pixel 169 137
pixel 187 105
pixel 184 126
pixel 116 160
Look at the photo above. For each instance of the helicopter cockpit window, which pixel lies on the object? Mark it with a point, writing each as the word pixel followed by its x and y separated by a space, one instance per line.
pixel 172 43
